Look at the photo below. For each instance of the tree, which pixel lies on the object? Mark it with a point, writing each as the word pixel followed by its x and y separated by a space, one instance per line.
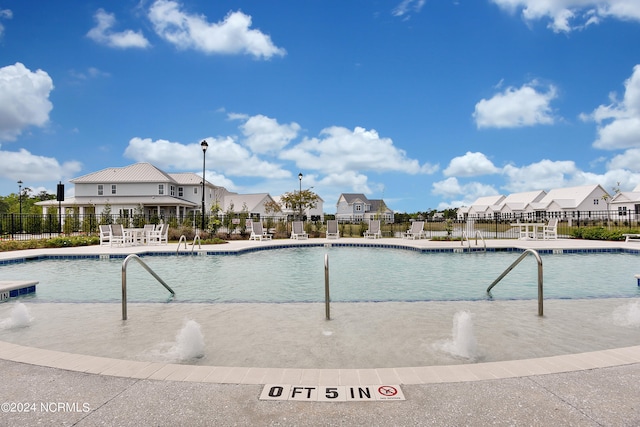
pixel 299 201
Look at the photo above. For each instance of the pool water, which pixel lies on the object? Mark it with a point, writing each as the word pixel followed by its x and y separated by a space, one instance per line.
pixel 356 275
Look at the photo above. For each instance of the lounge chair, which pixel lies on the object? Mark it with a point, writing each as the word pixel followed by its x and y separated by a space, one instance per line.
pixel 105 235
pixel 159 235
pixel 416 231
pixel 259 233
pixel 550 231
pixel 297 231
pixel 374 230
pixel 118 235
pixel 332 229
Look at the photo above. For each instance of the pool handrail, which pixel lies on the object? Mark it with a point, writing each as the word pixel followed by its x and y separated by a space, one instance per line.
pixel 478 233
pixel 124 281
pixel 193 245
pixel 327 308
pixel 540 275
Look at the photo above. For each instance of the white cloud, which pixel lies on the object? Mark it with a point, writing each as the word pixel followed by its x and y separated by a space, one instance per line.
pixel 630 160
pixel 471 164
pixel 569 15
pixel 339 150
pixel 223 155
pixel 4 14
pixel 102 33
pixel 619 122
pixel 231 36
pixel 265 135
pixel 349 181
pixel 543 175
pixel 463 194
pixel 24 100
pixel 28 167
pixel 516 108
pixel 407 6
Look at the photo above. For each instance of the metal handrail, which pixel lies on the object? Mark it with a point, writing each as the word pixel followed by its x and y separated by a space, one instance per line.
pixel 183 238
pixel 478 233
pixel 193 245
pixel 516 262
pixel 124 281
pixel 327 308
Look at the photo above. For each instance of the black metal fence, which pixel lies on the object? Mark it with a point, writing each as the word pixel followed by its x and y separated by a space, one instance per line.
pixel 29 226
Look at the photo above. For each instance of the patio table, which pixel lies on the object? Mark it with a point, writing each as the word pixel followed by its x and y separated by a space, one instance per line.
pixel 529 230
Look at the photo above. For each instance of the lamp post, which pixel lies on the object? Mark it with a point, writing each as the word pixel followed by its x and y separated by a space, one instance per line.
pixel 20 201
pixel 300 196
pixel 204 146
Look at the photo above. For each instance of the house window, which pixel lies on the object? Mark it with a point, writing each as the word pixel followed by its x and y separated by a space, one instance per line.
pixel 160 189
pixel 100 190
pixel 180 191
pixel 622 210
pixel 114 189
pixel 358 208
pixel 172 190
pixel 595 201
pixel 195 190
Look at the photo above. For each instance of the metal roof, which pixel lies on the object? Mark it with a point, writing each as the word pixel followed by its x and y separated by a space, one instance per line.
pixel 139 172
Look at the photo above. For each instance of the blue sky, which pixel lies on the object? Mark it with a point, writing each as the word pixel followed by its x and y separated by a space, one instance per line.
pixel 428 104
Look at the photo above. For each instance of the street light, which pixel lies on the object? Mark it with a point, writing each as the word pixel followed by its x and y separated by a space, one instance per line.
pixel 300 195
pixel 20 201
pixel 204 146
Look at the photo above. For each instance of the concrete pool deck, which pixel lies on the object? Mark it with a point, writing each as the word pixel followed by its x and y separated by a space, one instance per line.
pixel 596 388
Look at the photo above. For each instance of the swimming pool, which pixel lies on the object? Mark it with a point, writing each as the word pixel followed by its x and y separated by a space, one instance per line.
pixel 397 308
pixel 356 275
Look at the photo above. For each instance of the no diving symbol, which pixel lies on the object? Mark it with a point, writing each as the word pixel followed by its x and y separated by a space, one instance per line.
pixel 387 390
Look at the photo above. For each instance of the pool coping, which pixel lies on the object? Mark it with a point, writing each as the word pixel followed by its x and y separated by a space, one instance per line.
pixel 370 376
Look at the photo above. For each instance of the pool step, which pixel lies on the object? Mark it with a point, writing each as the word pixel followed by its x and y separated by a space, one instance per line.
pixel 14 288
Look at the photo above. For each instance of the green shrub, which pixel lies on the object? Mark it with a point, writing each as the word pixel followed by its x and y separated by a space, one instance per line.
pixel 598 233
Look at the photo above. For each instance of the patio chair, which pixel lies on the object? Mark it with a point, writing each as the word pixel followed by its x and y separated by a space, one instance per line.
pixel 148 228
pixel 118 235
pixel 159 235
pixel 332 229
pixel 550 231
pixel 258 232
pixel 416 231
pixel 374 230
pixel 297 231
pixel 105 235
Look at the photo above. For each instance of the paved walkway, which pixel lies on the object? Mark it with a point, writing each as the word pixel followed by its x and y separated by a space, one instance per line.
pixel 55 388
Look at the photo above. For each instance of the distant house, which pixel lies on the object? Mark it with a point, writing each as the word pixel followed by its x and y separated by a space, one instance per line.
pixel 627 203
pixel 254 204
pixel 356 208
pixel 566 202
pixel 140 188
pixel 560 203
pixel 312 214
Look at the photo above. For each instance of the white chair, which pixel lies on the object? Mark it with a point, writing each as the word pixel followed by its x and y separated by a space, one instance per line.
pixel 159 235
pixel 148 228
pixel 550 231
pixel 105 235
pixel 374 230
pixel 332 229
pixel 416 231
pixel 259 233
pixel 118 236
pixel 297 231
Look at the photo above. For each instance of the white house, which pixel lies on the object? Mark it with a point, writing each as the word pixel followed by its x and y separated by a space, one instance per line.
pixel 256 205
pixel 140 188
pixel 627 203
pixel 313 214
pixel 560 202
